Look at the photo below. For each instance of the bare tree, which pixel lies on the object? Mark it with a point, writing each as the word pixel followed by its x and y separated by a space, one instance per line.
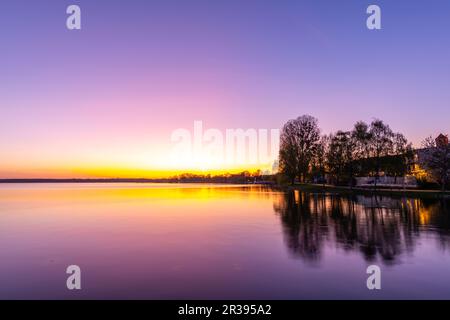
pixel 287 158
pixel 362 138
pixel 341 156
pixel 381 143
pixel 319 160
pixel 298 145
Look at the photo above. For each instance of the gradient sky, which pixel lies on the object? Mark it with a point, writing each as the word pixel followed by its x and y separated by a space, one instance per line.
pixel 103 101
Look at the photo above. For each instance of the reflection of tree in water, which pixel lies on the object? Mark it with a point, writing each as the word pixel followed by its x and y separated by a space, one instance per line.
pixel 301 227
pixel 374 225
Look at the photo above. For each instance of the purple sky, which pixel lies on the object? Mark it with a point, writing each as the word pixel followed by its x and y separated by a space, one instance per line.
pixel 112 93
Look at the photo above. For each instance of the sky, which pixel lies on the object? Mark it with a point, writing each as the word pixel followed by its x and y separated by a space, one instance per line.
pixel 104 101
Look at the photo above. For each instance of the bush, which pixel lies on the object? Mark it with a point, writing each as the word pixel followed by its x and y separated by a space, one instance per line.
pixel 423 183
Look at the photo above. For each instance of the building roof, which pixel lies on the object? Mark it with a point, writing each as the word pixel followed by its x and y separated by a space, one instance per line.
pixel 442 140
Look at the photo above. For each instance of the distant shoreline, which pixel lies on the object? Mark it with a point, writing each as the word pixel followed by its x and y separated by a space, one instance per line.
pixel 119 180
pixel 88 180
pixel 76 180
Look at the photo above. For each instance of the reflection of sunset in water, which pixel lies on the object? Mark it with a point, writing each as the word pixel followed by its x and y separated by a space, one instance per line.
pixel 216 241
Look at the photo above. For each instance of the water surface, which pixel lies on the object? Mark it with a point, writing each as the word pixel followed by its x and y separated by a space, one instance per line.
pixel 162 241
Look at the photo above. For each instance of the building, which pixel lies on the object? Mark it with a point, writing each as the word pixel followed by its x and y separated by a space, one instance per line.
pixel 417 172
pixel 441 140
pixel 419 157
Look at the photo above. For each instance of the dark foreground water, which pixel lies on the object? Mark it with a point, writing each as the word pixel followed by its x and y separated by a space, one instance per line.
pixel 153 241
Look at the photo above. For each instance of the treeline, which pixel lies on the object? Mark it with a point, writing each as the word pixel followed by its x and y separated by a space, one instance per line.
pixel 243 177
pixel 366 150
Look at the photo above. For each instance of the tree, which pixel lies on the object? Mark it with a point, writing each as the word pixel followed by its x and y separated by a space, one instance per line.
pixel 341 156
pixel 381 143
pixel 298 145
pixel 436 160
pixel 362 138
pixel 397 164
pixel 287 156
pixel 335 159
pixel 319 160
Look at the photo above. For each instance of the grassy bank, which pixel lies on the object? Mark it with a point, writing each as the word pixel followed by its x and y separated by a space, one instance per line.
pixel 366 191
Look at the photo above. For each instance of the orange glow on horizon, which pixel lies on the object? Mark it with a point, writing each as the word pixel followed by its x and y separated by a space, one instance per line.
pixel 153 173
pixel 116 172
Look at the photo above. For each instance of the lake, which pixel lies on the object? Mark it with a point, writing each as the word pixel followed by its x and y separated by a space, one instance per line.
pixel 163 241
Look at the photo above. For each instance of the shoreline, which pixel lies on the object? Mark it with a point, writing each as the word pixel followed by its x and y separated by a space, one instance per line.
pixel 366 191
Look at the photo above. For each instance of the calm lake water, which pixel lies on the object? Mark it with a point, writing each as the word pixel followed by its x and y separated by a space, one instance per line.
pixel 161 241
